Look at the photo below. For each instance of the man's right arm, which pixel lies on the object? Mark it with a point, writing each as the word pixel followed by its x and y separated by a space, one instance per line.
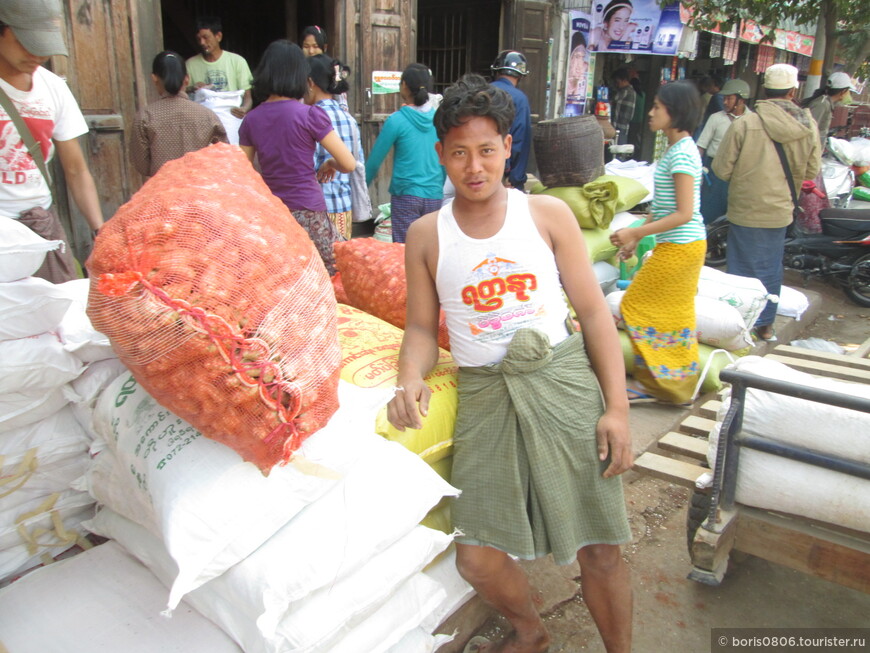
pixel 419 351
pixel 729 150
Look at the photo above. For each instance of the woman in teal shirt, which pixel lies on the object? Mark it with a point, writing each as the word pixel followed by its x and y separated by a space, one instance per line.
pixel 418 178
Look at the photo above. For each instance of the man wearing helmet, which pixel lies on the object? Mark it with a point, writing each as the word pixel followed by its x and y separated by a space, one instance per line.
pixel 714 191
pixel 507 70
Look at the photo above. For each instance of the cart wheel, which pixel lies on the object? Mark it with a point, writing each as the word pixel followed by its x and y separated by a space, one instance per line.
pixel 699 507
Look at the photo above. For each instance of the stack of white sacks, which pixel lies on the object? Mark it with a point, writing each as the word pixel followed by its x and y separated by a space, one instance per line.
pixel 46 356
pixel 324 554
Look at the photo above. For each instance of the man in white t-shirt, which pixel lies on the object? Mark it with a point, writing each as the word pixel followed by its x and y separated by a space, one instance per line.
pixel 217 69
pixel 31 32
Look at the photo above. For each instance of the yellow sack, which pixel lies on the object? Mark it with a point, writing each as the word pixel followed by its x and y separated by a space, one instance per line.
pixel 370 359
pixel 598 244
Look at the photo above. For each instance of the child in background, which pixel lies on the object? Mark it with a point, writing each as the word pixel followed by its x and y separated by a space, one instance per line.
pixel 417 184
pixel 326 79
pixel 659 306
pixel 173 125
pixel 282 132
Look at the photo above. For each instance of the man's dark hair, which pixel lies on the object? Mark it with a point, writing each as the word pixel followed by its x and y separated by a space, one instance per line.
pixel 472 97
pixel 710 81
pixel 3 27
pixel 683 102
pixel 212 23
pixel 773 93
pixel 621 74
pixel 282 71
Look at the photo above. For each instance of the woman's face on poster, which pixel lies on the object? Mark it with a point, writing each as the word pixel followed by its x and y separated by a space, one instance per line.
pixel 618 25
pixel 577 66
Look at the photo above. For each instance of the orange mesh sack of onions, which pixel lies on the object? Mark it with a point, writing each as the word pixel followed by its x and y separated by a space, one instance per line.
pixel 373 280
pixel 218 302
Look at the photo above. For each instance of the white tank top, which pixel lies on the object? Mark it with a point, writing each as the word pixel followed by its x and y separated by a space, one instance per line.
pixel 491 287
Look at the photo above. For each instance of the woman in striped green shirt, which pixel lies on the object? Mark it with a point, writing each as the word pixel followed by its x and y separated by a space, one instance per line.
pixel 659 306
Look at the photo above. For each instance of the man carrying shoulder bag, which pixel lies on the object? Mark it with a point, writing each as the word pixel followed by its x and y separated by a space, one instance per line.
pixel 38 118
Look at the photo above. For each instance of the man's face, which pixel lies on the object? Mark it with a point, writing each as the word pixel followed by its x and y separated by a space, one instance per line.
pixel 208 41
pixel 729 102
pixel 473 155
pixel 14 56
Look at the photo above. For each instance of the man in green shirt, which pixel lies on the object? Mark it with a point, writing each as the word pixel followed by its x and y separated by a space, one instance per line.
pixel 218 69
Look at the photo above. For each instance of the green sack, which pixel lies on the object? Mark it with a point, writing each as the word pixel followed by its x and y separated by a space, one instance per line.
pixel 595 203
pixel 598 244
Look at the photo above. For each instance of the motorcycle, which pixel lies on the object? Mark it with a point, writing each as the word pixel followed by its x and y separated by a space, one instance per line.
pixel 840 253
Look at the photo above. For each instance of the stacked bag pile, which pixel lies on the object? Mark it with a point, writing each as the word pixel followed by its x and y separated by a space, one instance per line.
pixel 52 363
pixel 303 535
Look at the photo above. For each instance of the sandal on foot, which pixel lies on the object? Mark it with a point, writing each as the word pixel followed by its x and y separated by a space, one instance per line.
pixel 475 644
pixel 638 397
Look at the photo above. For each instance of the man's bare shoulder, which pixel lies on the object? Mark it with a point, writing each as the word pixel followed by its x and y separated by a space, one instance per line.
pixel 549 208
pixel 423 232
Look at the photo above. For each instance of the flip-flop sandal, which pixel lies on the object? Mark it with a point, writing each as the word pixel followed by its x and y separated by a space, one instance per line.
pixel 475 644
pixel 638 397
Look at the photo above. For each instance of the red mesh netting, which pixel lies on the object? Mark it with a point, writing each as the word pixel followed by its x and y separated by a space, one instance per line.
pixel 218 302
pixel 373 277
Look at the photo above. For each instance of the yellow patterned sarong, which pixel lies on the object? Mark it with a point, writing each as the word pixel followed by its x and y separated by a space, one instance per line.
pixel 659 314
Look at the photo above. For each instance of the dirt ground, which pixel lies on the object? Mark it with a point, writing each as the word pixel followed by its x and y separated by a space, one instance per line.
pixel 674 614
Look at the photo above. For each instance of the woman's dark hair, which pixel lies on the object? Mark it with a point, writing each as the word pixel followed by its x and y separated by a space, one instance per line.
pixel 282 71
pixel 615 5
pixel 418 79
pixel 169 67
pixel 319 35
pixel 683 103
pixel 211 23
pixel 328 74
pixel 472 97
pixel 577 39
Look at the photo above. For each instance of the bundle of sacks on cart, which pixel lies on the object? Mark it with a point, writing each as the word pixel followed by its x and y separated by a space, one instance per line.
pixel 52 364
pixel 726 306
pixel 243 456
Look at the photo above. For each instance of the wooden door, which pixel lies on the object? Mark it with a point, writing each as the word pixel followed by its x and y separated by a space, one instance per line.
pixel 528 30
pixel 111 45
pixel 388 41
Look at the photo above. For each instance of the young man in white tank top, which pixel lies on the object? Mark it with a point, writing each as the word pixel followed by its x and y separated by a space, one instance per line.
pixel 496 261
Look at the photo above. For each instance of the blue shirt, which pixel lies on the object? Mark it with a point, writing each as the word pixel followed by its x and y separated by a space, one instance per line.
pixel 521 132
pixel 337 192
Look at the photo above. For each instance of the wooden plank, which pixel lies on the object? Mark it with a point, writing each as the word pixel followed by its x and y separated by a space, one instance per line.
pixel 697 425
pixel 685 445
pixel 833 371
pixel 710 409
pixel 802 353
pixel 819 553
pixel 863 350
pixel 668 469
pixel 710 550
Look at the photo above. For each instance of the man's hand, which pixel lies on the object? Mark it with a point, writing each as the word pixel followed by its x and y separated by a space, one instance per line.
pixel 614 440
pixel 410 405
pixel 238 112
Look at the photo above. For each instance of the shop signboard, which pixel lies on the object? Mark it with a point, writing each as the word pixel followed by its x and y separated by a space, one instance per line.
pixel 581 64
pixel 386 81
pixel 635 26
pixel 791 41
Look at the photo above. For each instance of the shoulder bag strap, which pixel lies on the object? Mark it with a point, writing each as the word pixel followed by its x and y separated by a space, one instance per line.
pixel 781 151
pixel 27 136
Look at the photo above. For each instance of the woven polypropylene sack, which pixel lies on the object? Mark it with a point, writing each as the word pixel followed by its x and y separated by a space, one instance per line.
pixel 373 278
pixel 218 302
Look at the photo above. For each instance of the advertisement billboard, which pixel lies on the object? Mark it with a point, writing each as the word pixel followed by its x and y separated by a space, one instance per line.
pixel 636 26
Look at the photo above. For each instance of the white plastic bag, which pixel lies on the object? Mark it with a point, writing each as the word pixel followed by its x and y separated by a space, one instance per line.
pixel 746 294
pixel 37 363
pixel 75 329
pixel 222 103
pixel 30 306
pixel 22 250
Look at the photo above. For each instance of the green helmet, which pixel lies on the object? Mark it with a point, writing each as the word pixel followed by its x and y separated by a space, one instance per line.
pixel 736 87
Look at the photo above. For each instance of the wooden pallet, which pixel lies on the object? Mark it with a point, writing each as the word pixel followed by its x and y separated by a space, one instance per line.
pixel 829 552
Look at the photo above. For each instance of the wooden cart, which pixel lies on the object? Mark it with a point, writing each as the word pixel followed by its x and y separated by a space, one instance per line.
pixel 716 525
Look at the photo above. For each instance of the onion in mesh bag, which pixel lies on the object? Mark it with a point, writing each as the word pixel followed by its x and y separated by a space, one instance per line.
pixel 218 302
